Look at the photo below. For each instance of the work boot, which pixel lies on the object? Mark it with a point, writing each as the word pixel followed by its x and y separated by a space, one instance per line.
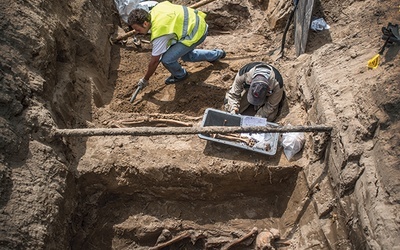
pixel 222 55
pixel 173 79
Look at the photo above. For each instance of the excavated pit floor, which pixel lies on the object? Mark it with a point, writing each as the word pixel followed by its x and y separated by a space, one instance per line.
pixel 181 184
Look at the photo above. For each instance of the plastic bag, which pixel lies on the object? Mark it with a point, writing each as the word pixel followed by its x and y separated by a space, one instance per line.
pixel 319 24
pixel 292 143
pixel 125 7
pixel 265 143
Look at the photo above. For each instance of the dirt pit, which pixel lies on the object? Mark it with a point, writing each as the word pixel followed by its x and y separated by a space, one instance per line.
pixel 213 208
pixel 180 191
pixel 186 185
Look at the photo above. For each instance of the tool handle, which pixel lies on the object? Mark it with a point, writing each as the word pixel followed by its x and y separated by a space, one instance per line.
pixel 135 94
pixel 384 46
pixel 295 2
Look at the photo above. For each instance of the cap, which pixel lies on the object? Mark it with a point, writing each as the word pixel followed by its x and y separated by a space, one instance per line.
pixel 258 90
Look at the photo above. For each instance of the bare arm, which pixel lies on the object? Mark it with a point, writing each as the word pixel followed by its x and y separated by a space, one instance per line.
pixel 151 68
pixel 160 46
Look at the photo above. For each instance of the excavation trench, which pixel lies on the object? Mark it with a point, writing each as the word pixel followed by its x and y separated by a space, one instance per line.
pixel 130 190
pixel 59 71
pixel 133 188
pixel 130 203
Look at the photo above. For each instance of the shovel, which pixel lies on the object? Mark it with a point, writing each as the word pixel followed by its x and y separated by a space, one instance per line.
pixel 281 52
pixel 390 34
pixel 135 94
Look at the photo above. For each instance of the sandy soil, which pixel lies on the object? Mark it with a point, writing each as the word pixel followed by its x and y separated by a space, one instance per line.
pixel 58 70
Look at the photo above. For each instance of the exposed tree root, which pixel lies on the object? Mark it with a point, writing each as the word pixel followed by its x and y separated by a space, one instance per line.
pixel 151 122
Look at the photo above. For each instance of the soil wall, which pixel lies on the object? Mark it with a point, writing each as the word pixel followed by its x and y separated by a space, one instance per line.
pixel 55 60
pixel 55 72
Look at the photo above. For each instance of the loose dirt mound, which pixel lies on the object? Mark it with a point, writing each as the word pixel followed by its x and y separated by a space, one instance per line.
pixel 58 70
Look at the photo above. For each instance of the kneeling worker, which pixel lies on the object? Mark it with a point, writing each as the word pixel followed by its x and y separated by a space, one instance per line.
pixel 258 84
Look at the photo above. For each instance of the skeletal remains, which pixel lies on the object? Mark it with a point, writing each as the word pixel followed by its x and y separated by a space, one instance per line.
pixel 251 142
pixel 265 239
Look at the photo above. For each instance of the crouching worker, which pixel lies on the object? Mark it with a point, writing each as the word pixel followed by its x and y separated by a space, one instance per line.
pixel 176 31
pixel 257 85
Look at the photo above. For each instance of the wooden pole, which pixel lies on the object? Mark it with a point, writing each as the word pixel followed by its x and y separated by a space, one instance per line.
pixel 123 36
pixel 133 32
pixel 201 3
pixel 302 25
pixel 151 131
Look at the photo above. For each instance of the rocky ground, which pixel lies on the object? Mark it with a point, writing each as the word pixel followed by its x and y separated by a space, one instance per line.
pixel 59 70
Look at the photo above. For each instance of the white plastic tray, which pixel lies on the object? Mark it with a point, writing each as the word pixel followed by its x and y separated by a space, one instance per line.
pixel 215 117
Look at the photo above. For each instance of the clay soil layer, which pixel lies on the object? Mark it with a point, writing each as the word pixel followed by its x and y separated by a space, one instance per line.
pixel 58 70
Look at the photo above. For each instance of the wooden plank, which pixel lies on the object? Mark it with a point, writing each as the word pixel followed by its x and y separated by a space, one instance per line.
pixel 302 22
